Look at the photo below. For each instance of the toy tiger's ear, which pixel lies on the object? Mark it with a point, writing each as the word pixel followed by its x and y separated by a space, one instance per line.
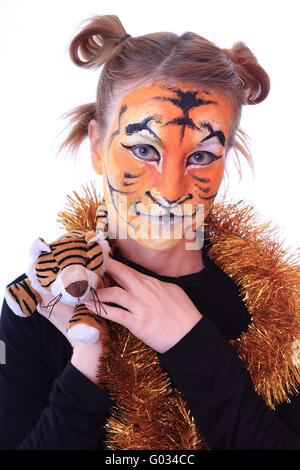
pixel 37 247
pixel 91 237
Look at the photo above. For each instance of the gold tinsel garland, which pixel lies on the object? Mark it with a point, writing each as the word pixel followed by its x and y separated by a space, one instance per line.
pixel 268 276
pixel 148 411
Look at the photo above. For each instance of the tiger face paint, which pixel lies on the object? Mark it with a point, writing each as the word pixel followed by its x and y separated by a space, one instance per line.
pixel 163 161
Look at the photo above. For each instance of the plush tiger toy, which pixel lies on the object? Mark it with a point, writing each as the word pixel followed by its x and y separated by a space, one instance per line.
pixel 71 269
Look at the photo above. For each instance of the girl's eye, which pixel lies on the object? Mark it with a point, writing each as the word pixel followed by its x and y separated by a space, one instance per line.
pixel 144 152
pixel 202 158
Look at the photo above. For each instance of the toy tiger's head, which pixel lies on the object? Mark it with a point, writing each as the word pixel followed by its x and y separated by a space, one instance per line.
pixel 71 266
pixel 163 159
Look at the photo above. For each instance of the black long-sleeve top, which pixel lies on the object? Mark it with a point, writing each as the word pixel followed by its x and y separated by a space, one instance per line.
pixel 46 403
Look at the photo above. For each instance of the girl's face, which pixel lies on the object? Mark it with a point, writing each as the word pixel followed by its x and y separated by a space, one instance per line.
pixel 163 161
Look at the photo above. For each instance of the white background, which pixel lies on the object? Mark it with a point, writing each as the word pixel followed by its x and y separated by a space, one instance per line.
pixel 39 83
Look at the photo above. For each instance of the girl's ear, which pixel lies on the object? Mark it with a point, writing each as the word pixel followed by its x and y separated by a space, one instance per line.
pixel 95 144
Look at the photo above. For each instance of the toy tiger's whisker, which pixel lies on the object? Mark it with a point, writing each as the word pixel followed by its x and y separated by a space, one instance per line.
pixel 52 303
pixel 95 297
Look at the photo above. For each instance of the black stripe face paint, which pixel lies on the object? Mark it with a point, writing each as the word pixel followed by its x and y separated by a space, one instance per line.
pixel 137 127
pixel 219 134
pixel 185 100
pixel 117 131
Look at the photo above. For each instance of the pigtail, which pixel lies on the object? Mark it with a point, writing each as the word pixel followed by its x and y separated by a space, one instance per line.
pixel 78 121
pixel 253 78
pixel 96 44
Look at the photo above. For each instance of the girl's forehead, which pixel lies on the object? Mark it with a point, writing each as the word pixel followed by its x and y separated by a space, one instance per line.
pixel 177 101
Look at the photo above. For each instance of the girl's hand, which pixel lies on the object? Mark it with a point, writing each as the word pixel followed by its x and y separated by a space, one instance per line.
pixel 85 356
pixel 59 315
pixel 158 313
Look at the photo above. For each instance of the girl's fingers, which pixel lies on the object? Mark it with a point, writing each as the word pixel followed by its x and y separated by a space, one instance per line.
pixel 124 275
pixel 115 295
pixel 115 314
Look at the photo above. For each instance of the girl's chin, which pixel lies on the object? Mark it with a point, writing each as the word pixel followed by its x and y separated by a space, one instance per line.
pixel 161 238
pixel 157 245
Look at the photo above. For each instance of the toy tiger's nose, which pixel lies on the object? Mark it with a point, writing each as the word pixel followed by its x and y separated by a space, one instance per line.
pixel 77 289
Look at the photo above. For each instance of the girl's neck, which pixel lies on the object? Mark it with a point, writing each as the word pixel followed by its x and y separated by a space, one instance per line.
pixel 177 261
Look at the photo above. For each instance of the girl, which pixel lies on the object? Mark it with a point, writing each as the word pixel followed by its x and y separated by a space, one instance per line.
pixel 166 115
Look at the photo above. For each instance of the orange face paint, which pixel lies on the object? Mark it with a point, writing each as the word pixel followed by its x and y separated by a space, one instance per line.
pixel 164 159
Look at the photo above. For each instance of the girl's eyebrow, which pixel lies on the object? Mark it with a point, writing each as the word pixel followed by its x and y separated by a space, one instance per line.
pixel 137 127
pixel 143 125
pixel 219 134
pixel 142 138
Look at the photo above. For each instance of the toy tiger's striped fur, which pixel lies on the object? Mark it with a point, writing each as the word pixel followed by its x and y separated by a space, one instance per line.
pixel 24 296
pixel 71 268
pixel 68 250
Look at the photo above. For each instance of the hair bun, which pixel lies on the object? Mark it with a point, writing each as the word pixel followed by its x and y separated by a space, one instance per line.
pixel 95 43
pixel 254 78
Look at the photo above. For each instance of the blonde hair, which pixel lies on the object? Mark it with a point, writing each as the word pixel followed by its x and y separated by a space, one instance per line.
pixel 103 42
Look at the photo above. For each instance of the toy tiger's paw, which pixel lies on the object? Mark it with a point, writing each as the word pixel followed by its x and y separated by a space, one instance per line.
pixel 84 333
pixel 84 326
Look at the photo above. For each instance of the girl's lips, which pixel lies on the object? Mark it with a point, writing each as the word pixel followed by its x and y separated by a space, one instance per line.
pixel 167 214
pixel 168 219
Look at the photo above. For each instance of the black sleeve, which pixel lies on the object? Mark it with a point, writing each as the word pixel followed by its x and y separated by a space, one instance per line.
pixel 219 392
pixel 38 408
